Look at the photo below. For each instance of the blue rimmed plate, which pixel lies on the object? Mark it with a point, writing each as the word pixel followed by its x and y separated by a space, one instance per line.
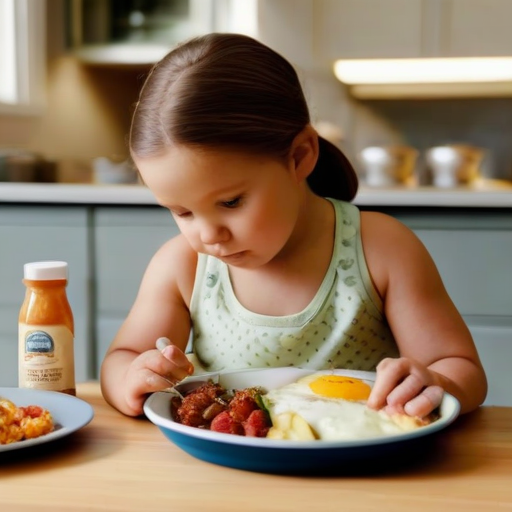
pixel 286 456
pixel 69 413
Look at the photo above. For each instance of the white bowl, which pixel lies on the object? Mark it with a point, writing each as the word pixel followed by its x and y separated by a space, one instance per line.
pixel 286 456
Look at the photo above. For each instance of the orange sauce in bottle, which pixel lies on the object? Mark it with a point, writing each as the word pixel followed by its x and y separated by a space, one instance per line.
pixel 46 330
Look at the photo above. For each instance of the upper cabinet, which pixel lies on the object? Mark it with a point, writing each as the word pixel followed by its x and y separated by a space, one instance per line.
pixel 477 28
pixel 368 28
pixel 287 27
pixel 311 33
pixel 412 28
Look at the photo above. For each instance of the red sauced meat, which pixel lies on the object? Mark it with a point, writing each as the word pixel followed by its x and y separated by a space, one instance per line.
pixel 225 423
pixel 190 411
pixel 257 424
pixel 211 407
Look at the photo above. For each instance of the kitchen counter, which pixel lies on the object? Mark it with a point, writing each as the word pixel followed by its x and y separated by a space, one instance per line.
pixel 118 463
pixel 485 194
pixel 56 193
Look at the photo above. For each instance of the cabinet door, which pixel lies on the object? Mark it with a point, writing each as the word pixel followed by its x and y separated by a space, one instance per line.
pixel 43 233
pixel 472 250
pixel 125 239
pixel 8 342
pixel 477 28
pixel 106 328
pixel 475 267
pixel 368 28
pixel 287 27
pixel 494 344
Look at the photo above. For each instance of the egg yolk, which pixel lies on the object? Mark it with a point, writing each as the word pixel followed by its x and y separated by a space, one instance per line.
pixel 338 386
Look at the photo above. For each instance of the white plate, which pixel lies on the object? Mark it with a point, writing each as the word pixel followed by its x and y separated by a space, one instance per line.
pixel 284 456
pixel 69 413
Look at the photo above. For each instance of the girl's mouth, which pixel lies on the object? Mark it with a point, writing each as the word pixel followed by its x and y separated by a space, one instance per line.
pixel 233 257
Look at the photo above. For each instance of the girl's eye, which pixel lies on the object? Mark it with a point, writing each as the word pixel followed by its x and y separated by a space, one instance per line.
pixel 182 215
pixel 232 204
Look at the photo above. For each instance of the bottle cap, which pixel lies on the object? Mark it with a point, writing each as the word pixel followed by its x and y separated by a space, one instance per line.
pixel 45 270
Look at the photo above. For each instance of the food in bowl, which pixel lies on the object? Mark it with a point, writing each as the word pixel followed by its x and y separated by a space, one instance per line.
pixel 319 406
pixel 334 407
pixel 212 407
pixel 19 423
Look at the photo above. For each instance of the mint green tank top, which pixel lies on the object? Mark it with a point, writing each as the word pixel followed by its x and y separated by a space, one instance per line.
pixel 342 327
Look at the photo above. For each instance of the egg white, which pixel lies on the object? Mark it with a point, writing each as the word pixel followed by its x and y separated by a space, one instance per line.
pixel 331 418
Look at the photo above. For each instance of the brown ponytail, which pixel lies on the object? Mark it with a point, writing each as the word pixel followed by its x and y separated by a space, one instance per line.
pixel 229 90
pixel 333 175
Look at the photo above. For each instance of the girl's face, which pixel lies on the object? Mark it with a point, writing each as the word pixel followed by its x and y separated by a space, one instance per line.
pixel 237 207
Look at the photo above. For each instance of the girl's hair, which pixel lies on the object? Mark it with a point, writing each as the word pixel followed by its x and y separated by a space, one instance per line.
pixel 231 91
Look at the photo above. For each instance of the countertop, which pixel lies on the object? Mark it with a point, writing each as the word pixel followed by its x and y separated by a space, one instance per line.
pixel 484 194
pixel 125 464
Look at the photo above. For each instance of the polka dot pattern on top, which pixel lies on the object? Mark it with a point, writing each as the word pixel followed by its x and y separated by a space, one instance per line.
pixel 342 327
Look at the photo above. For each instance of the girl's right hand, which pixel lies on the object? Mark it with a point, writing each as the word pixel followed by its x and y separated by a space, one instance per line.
pixel 152 371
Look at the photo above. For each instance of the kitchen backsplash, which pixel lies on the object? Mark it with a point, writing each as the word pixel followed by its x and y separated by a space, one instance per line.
pixel 485 123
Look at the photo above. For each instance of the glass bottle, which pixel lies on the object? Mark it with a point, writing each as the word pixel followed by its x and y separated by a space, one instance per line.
pixel 46 329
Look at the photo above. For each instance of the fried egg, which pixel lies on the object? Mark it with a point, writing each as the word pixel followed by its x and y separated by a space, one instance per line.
pixel 334 406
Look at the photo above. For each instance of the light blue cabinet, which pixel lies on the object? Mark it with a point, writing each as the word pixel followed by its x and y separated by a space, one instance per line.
pixel 124 239
pixel 109 247
pixel 475 266
pixel 472 250
pixel 494 344
pixel 34 233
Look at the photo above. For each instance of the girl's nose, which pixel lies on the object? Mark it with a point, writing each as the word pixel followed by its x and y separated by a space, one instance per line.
pixel 212 234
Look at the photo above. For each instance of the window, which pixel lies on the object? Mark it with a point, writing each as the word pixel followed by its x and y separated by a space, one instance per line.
pixel 22 56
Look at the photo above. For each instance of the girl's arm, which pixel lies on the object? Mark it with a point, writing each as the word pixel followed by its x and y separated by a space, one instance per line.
pixel 133 367
pixel 436 347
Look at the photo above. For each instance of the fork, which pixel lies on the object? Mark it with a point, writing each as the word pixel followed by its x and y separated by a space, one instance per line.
pixel 163 342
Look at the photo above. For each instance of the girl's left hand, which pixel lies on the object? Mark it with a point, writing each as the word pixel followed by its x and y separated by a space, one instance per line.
pixel 403 385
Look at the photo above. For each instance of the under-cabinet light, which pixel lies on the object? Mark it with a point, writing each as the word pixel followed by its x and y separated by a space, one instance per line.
pixel 424 70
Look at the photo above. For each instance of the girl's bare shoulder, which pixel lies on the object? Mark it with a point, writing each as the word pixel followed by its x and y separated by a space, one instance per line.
pixel 381 231
pixel 174 263
pixel 391 249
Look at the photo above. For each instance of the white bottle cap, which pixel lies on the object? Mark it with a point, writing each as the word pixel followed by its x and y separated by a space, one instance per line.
pixel 45 270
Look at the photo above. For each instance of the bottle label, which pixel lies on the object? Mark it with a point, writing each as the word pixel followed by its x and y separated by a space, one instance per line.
pixel 46 357
pixel 39 342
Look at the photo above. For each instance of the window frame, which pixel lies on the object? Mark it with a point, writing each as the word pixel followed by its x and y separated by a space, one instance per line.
pixel 29 58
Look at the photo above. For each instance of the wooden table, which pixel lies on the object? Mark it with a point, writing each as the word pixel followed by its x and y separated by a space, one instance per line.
pixel 126 464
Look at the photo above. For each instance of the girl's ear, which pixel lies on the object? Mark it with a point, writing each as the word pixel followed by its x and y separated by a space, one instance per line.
pixel 304 153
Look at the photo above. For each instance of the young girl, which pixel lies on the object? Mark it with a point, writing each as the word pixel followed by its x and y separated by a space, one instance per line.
pixel 274 266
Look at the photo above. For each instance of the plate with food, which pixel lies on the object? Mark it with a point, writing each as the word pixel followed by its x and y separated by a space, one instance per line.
pixel 30 417
pixel 288 420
